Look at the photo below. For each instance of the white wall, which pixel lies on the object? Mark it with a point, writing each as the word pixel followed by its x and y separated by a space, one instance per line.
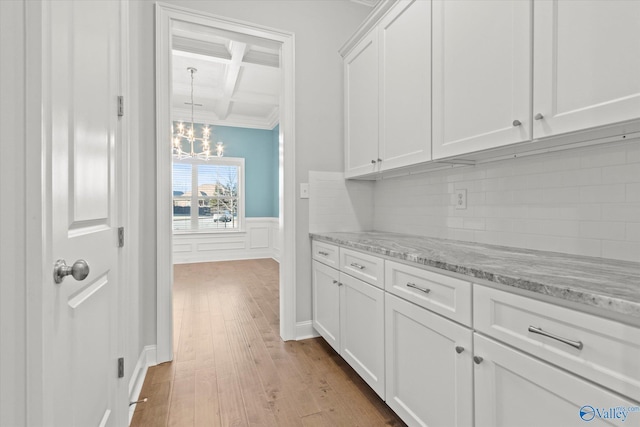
pixel 584 201
pixel 259 240
pixel 320 28
pixel 13 213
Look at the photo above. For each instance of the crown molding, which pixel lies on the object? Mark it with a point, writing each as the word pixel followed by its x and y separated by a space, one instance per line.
pixel 370 21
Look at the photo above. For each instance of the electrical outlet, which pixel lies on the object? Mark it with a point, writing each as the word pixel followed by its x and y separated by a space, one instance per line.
pixel 461 199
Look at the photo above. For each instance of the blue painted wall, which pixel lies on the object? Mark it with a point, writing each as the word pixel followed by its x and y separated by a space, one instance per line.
pixel 259 148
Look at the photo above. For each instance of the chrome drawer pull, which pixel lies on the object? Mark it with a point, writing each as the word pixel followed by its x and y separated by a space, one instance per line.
pixel 361 267
pixel 576 344
pixel 324 253
pixel 414 286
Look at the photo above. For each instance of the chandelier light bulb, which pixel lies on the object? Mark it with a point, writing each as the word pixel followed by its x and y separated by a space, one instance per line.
pixel 190 136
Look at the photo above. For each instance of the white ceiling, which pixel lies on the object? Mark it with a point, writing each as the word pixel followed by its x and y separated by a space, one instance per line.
pixel 237 82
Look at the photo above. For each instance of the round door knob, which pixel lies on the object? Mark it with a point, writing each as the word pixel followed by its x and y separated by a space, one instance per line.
pixel 459 349
pixel 373 162
pixel 477 359
pixel 539 116
pixel 517 122
pixel 79 270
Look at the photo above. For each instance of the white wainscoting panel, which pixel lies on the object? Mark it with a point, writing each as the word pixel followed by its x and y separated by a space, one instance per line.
pixel 259 240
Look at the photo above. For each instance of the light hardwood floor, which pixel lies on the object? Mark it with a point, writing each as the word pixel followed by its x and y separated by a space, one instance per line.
pixel 231 368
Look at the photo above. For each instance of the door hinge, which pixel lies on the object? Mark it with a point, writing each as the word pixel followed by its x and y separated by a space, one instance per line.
pixel 120 106
pixel 121 367
pixel 120 237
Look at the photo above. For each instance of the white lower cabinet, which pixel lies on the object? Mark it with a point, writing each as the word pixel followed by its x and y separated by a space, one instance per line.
pixel 428 366
pixel 522 362
pixel 326 303
pixel 362 330
pixel 515 389
pixel 349 314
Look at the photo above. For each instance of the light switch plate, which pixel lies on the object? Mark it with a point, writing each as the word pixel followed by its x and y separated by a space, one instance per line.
pixel 304 190
pixel 461 199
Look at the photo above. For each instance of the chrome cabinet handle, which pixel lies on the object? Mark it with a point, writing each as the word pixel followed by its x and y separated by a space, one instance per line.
pixel 79 270
pixel 477 359
pixel 517 122
pixel 459 349
pixel 539 331
pixel 323 253
pixel 539 116
pixel 414 286
pixel 358 266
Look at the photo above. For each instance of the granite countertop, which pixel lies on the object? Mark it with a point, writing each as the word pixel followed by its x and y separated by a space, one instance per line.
pixel 607 284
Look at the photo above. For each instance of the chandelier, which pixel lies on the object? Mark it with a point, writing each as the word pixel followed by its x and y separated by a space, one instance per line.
pixel 187 133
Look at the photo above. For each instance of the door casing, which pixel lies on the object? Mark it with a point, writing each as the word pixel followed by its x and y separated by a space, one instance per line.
pixel 165 15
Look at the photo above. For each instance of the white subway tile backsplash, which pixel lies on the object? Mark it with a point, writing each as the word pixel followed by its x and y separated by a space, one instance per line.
pixel 597 157
pixel 621 173
pixel 603 230
pixel 602 194
pixel 633 191
pixel 628 251
pixel 628 212
pixel 633 231
pixel 584 201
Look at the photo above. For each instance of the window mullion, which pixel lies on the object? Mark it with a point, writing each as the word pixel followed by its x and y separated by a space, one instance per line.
pixel 195 206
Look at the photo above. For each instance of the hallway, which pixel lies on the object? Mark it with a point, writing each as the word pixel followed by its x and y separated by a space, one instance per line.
pixel 231 368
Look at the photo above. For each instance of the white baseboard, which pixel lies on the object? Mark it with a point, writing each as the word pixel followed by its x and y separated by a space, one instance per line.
pixel 305 330
pixel 147 358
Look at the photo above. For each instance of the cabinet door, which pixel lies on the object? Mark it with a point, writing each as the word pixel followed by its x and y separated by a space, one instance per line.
pixel 514 389
pixel 586 64
pixel 361 107
pixel 405 84
pixel 428 382
pixel 326 303
pixel 362 330
pixel 481 75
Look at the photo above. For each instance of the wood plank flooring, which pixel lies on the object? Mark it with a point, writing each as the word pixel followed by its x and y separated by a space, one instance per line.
pixel 231 368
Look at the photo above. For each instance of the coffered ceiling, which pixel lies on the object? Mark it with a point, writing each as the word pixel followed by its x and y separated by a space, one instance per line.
pixel 237 82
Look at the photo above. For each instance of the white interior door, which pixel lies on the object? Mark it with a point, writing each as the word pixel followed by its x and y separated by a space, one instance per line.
pixel 82 73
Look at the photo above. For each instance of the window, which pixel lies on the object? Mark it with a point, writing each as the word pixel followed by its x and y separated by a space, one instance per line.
pixel 208 195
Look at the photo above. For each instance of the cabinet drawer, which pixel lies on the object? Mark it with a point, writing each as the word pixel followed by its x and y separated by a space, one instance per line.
pixel 326 253
pixel 601 350
pixel 363 266
pixel 442 294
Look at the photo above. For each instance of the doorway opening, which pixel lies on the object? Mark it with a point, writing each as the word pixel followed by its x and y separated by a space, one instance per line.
pixel 174 26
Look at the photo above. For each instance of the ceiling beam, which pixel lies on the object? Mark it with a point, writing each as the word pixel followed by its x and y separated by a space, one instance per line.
pixel 236 49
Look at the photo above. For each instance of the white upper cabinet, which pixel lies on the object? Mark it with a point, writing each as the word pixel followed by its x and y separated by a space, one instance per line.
pixel 361 107
pixel 481 75
pixel 586 64
pixel 405 85
pixel 388 92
